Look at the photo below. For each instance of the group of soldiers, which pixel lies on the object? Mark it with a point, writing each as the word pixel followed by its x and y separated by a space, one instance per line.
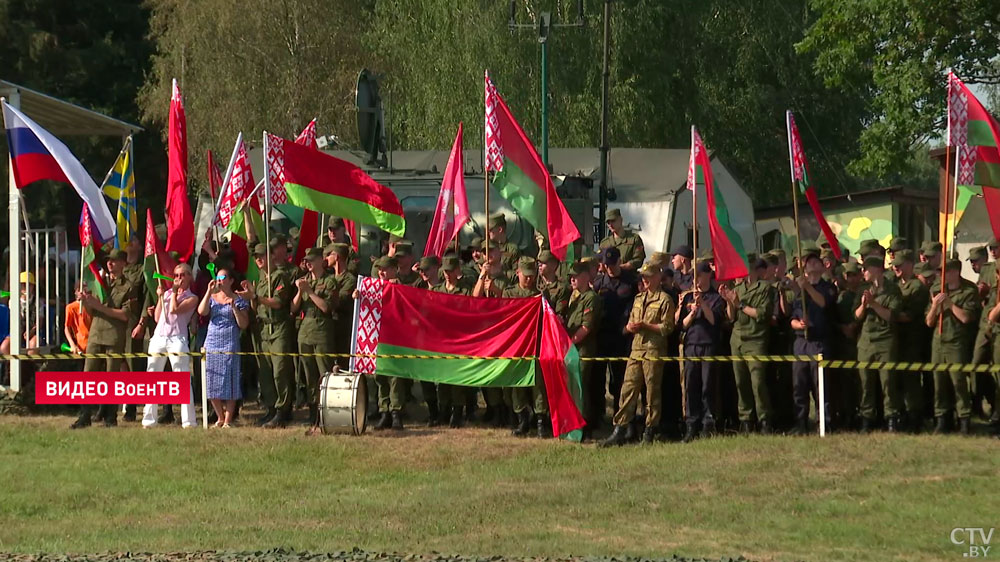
pixel 886 305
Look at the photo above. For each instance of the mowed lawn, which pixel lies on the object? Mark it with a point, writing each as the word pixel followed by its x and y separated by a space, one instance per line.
pixel 483 492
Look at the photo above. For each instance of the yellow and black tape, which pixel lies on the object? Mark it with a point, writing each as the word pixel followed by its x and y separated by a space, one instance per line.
pixel 825 363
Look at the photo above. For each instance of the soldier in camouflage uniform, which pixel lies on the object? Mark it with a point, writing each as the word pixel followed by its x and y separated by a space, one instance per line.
pixel 108 331
pixel 629 244
pixel 912 330
pixel 522 398
pixel 316 298
pixel 498 237
pixel 877 309
pixel 338 267
pixel 451 398
pixel 272 301
pixel 555 290
pixel 391 390
pixel 956 309
pixel 582 319
pixel 982 352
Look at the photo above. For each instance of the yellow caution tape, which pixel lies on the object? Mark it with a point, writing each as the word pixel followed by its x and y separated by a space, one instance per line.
pixel 825 363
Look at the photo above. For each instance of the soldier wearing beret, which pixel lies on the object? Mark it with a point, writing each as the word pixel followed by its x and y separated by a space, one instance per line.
pixel 877 309
pixel 452 398
pixel 583 318
pixel 528 402
pixel 628 243
pixel 650 321
pixel 750 308
pixel 955 306
pixel 338 269
pixel 498 237
pixel 316 297
pixel 914 297
pixel 272 301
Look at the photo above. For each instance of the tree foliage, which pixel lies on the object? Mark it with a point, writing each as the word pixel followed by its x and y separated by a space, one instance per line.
pixel 894 55
pixel 251 66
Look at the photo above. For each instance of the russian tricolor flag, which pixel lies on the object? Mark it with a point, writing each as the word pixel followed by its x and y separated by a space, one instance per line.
pixel 37 155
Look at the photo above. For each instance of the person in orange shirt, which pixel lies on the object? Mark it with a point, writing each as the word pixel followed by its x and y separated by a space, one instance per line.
pixel 77 329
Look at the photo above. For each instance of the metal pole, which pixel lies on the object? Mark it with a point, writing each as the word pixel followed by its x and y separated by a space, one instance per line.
pixel 204 390
pixel 821 391
pixel 14 268
pixel 545 102
pixel 605 144
pixel 694 224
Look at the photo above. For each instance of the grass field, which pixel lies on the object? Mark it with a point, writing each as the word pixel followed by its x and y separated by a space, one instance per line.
pixel 482 492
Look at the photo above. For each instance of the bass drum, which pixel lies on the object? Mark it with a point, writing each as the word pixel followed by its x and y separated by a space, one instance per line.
pixel 343 403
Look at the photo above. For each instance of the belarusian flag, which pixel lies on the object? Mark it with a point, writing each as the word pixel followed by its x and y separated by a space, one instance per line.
pixel 452 210
pixel 309 226
pixel 313 180
pixel 403 331
pixel 154 252
pixel 975 134
pixel 800 177
pixel 727 246
pixel 522 178
pixel 90 269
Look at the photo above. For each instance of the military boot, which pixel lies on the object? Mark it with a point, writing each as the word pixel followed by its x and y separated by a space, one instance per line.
pixel 691 434
pixel 892 426
pixel 766 428
pixel 269 414
pixel 544 429
pixel 617 438
pixel 708 429
pixel 456 417
pixel 867 425
pixel 964 426
pixel 432 413
pixel 524 423
pixel 801 428
pixel 279 420
pixel 313 415
pixel 384 422
pixel 648 436
pixel 916 423
pixel 397 421
pixel 942 426
pixel 746 428
pixel 129 414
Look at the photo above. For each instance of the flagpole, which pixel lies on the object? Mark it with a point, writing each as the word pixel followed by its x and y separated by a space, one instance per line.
pixel 267 224
pixel 486 189
pixel 128 141
pixel 798 231
pixel 694 221
pixel 226 179
pixel 947 197
pixel 954 206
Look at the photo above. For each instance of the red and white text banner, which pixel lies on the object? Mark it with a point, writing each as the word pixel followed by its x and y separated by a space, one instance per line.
pixel 97 387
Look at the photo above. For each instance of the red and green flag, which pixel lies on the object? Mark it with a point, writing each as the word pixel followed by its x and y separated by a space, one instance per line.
pixel 310 179
pixel 403 331
pixel 90 271
pixel 154 255
pixel 727 246
pixel 521 177
pixel 975 134
pixel 802 180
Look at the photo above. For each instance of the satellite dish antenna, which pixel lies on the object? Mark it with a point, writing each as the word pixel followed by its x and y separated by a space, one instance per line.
pixel 371 118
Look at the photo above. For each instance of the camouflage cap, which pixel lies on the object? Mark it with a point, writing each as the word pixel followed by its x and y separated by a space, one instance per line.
pixel 260 250
pixel 497 219
pixel 451 263
pixel 579 267
pixel 117 255
pixel 314 254
pixel 898 244
pixel 613 214
pixel 404 248
pixel 827 254
pixel 851 268
pixel 476 243
pixel 546 256
pixel 924 269
pixel 527 266
pixel 428 262
pixel 385 261
pixel 661 258
pixel 931 248
pixel 874 261
pixel 278 240
pixel 338 248
pixel 953 264
pixel 335 222
pixel 993 243
pixel 772 259
pixel 903 256
pixel 869 245
pixel 650 269
pixel 978 253
pixel 706 255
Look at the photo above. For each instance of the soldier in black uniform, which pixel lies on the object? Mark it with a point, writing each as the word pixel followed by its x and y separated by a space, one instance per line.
pixel 813 332
pixel 700 316
pixel 617 288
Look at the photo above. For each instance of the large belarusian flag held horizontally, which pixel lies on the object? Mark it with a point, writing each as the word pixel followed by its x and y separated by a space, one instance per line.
pixel 975 134
pixel 522 178
pixel 802 180
pixel 403 331
pixel 313 180
pixel 727 246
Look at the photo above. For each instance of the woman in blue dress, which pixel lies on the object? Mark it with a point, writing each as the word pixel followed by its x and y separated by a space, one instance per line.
pixel 228 315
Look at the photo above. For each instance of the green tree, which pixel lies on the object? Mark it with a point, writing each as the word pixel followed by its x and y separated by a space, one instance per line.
pixel 895 54
pixel 251 66
pixel 93 54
